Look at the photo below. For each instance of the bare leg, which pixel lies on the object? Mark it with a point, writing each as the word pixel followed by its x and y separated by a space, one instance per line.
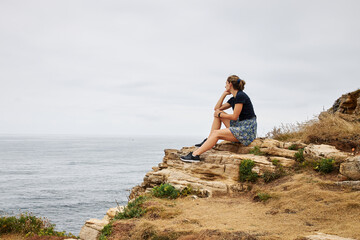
pixel 215 135
pixel 216 125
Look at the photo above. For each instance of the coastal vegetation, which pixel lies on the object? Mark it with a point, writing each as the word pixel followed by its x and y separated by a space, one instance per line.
pixel 31 227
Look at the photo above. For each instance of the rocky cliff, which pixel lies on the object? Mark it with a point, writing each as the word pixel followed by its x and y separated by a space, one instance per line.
pixel 217 175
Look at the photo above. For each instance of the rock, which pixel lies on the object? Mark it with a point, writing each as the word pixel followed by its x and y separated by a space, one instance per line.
pixel 322 236
pixel 351 168
pixel 325 151
pixel 92 228
pixel 113 211
pixel 286 162
pixel 275 151
pixel 88 233
pixel 347 104
pixel 96 223
pixel 354 185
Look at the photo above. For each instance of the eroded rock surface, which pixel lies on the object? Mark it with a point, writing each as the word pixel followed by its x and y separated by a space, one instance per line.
pixel 218 172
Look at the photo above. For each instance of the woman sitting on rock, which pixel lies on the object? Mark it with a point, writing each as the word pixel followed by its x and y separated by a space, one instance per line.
pixel 240 126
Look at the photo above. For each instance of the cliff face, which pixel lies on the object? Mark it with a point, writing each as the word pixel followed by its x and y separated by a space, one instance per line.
pixel 216 179
pixel 348 103
pixel 218 172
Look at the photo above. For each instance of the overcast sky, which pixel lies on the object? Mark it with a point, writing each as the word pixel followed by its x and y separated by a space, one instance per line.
pixel 158 67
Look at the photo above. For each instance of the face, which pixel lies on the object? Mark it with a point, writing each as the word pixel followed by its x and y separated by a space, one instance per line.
pixel 227 86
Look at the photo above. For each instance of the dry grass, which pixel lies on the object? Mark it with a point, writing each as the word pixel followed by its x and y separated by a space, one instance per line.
pixel 333 129
pixel 301 205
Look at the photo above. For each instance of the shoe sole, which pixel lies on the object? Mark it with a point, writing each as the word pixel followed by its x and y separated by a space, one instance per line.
pixel 189 160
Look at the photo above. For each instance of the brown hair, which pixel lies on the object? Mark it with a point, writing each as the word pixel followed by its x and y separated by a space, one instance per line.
pixel 238 85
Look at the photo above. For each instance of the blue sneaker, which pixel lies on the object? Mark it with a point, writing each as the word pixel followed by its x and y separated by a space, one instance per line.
pixel 190 158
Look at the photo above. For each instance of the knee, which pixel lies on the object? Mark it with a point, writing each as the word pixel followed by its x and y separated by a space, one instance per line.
pixel 215 133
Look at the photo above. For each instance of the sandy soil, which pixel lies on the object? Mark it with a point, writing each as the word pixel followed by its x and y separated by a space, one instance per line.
pixel 301 205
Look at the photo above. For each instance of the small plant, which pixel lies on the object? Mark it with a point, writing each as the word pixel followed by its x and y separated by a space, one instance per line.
pixel 293 147
pixel 166 191
pixel 188 190
pixel 256 151
pixel 271 176
pixel 325 165
pixel 28 224
pixel 276 162
pixel 299 156
pixel 106 232
pixel 133 209
pixel 263 197
pixel 245 171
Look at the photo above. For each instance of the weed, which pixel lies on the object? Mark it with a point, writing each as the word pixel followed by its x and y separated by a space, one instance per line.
pixel 271 176
pixel 299 155
pixel 245 171
pixel 133 209
pixel 262 196
pixel 325 165
pixel 256 151
pixel 166 191
pixel 293 147
pixel 106 232
pixel 276 162
pixel 28 224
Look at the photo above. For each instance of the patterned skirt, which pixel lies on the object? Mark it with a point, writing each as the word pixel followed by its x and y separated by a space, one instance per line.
pixel 244 131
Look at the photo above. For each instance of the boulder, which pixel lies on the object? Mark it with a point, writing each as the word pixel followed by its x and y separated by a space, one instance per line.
pixel 92 228
pixel 351 168
pixel 322 236
pixel 325 151
pixel 354 185
pixel 113 211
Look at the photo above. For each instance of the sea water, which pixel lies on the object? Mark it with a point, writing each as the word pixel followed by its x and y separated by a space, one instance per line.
pixel 69 179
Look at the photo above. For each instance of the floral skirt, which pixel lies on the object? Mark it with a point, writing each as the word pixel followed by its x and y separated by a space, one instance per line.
pixel 244 131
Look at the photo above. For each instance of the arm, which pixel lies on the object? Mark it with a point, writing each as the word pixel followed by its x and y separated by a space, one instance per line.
pixel 234 116
pixel 220 105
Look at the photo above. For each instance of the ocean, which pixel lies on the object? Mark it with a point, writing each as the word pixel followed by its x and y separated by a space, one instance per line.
pixel 69 179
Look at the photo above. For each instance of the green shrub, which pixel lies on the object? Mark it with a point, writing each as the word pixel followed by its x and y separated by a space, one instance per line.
pixel 106 232
pixel 188 190
pixel 293 147
pixel 325 165
pixel 245 171
pixel 28 224
pixel 133 209
pixel 256 151
pixel 166 191
pixel 263 196
pixel 299 156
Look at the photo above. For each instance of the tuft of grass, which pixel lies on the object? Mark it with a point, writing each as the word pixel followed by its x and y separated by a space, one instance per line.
pixel 133 209
pixel 299 156
pixel 28 224
pixel 325 165
pixel 166 191
pixel 245 171
pixel 263 197
pixel 256 151
pixel 340 130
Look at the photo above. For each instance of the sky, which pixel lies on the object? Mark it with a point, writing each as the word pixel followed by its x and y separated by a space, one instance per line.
pixel 158 67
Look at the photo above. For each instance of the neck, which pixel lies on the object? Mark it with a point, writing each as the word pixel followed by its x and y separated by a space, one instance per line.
pixel 233 92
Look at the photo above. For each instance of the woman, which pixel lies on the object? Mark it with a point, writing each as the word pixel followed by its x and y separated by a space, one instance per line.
pixel 240 126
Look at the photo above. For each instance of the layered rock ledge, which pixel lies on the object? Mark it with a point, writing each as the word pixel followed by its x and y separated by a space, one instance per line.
pixel 218 172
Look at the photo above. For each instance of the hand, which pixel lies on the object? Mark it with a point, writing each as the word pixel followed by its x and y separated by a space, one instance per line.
pixel 226 93
pixel 216 113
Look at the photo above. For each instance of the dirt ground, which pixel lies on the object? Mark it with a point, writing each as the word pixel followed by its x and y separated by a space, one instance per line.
pixel 300 205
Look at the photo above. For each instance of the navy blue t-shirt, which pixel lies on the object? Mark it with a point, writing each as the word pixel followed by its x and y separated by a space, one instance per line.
pixel 247 111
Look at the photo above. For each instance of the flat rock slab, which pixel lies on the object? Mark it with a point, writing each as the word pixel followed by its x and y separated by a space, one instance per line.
pixel 355 185
pixel 322 236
